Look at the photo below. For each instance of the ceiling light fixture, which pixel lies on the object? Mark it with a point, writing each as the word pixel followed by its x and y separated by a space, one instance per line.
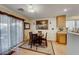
pixel 30 8
pixel 65 10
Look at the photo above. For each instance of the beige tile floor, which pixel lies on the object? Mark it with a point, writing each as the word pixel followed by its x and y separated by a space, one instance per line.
pixel 59 49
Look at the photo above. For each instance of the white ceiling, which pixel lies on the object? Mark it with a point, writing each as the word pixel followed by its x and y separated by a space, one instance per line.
pixel 46 10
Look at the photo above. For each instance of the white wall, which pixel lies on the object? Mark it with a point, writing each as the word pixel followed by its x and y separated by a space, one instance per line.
pixel 51 33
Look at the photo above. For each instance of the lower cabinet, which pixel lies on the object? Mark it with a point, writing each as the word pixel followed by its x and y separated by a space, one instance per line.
pixel 61 38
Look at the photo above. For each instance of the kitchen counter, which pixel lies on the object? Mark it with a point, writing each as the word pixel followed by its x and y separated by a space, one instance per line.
pixel 61 37
pixel 62 32
pixel 75 33
pixel 73 43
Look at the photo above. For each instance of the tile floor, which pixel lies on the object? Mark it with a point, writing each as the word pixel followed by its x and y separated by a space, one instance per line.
pixel 59 49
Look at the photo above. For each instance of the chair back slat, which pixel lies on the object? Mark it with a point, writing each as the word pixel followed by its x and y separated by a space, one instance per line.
pixel 46 36
pixel 30 35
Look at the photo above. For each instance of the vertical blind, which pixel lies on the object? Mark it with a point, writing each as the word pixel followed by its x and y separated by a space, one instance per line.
pixel 11 33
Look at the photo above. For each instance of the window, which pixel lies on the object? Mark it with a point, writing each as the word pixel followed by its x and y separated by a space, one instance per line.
pixel 70 25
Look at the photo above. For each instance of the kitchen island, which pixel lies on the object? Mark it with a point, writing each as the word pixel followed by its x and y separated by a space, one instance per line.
pixel 73 43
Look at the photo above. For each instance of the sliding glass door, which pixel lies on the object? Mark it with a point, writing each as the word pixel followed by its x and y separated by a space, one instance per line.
pixel 19 31
pixel 11 33
pixel 5 33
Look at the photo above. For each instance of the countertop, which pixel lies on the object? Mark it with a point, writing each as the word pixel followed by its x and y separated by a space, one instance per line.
pixel 62 32
pixel 75 33
pixel 72 43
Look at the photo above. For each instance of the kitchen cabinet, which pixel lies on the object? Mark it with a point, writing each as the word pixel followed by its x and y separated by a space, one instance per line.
pixel 61 37
pixel 61 21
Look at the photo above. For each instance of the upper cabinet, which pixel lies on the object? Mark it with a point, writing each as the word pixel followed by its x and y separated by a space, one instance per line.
pixel 61 21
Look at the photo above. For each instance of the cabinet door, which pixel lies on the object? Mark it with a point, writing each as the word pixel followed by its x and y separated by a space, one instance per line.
pixel 62 38
pixel 61 21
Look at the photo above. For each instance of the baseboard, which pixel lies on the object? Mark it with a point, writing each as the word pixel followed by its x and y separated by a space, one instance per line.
pixel 51 40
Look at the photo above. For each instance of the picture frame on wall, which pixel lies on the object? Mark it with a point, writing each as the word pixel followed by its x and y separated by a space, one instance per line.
pixel 26 25
pixel 42 25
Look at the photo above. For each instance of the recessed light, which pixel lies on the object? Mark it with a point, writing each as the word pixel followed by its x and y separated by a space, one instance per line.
pixel 65 10
pixel 31 10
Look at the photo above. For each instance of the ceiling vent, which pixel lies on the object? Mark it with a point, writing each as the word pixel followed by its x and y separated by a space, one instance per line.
pixel 21 9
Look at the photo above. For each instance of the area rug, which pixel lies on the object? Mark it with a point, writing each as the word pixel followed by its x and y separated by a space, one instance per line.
pixel 45 50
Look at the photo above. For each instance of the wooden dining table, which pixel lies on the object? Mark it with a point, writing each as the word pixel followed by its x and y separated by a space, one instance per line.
pixel 38 38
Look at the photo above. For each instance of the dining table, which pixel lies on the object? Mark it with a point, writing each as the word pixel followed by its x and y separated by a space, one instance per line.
pixel 38 38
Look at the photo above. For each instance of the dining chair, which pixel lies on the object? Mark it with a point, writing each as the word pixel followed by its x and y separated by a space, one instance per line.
pixel 30 38
pixel 44 40
pixel 33 39
pixel 39 33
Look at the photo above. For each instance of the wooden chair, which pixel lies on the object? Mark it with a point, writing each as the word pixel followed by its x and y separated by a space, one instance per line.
pixel 33 39
pixel 30 38
pixel 39 33
pixel 44 40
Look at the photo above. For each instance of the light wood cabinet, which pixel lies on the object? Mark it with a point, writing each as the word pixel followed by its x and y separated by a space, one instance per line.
pixel 61 21
pixel 62 37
